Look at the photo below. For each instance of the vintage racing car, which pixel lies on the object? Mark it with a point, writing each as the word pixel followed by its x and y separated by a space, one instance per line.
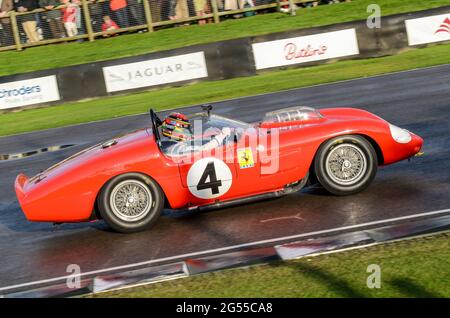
pixel 130 179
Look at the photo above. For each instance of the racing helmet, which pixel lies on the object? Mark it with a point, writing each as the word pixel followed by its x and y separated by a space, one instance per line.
pixel 176 127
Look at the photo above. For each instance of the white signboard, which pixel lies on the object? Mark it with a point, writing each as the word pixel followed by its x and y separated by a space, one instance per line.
pixel 429 29
pixel 304 49
pixel 155 72
pixel 29 92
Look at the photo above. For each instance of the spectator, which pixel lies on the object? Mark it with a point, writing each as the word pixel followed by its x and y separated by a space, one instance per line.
pixel 108 25
pixel 28 21
pixel 119 9
pixel 53 17
pixel 157 8
pixel 6 35
pixel 201 8
pixel 136 12
pixel 78 21
pixel 178 9
pixel 96 13
pixel 70 17
pixel 231 5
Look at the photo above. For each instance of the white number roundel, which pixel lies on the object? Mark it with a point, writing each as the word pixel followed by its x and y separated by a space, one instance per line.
pixel 209 178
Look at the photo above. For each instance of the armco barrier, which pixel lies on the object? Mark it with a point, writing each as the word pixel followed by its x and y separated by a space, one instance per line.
pixel 215 61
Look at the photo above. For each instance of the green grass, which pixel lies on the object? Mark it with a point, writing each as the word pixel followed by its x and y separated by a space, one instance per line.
pixel 51 56
pixel 413 268
pixel 110 107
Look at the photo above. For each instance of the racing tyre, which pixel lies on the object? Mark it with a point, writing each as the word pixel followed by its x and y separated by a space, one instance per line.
pixel 131 202
pixel 346 165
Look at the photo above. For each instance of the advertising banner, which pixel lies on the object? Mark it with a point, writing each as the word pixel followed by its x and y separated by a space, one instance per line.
pixel 29 92
pixel 155 72
pixel 429 29
pixel 305 49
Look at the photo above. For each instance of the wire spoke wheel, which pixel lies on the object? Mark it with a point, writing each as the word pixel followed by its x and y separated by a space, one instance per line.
pixel 131 200
pixel 346 164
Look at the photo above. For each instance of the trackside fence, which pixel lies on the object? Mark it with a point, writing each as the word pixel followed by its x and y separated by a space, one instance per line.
pixel 81 20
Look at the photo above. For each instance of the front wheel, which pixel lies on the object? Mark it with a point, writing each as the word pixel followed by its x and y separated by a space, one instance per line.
pixel 346 165
pixel 131 202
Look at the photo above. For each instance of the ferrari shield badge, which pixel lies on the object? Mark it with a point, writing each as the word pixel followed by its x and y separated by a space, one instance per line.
pixel 245 157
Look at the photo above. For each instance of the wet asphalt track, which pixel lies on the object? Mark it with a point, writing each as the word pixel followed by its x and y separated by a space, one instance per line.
pixel 418 100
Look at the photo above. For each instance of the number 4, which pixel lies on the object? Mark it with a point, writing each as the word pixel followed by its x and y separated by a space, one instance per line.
pixel 213 183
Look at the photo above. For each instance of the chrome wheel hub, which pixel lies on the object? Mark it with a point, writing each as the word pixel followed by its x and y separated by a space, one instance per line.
pixel 346 164
pixel 131 200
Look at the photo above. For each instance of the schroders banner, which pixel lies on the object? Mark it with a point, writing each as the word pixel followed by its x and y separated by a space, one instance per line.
pixel 429 29
pixel 29 92
pixel 155 72
pixel 304 49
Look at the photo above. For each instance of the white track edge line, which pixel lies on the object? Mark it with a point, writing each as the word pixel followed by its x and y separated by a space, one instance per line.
pixel 260 264
pixel 285 238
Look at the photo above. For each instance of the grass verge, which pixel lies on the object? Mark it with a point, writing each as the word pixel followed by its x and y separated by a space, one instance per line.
pixel 37 58
pixel 413 268
pixel 111 107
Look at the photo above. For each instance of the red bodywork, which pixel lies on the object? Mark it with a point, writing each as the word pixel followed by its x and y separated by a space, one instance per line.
pixel 67 191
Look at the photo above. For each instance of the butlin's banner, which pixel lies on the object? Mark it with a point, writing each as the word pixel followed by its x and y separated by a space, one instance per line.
pixel 431 29
pixel 155 72
pixel 29 92
pixel 305 49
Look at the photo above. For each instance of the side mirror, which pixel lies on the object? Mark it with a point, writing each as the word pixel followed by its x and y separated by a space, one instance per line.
pixel 207 108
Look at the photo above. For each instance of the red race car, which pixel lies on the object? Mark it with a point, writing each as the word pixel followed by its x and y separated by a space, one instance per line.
pixel 207 161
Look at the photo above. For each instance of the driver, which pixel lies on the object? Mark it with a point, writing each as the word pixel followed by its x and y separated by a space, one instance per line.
pixel 177 128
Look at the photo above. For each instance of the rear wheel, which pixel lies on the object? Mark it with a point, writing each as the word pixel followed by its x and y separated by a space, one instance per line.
pixel 346 165
pixel 131 202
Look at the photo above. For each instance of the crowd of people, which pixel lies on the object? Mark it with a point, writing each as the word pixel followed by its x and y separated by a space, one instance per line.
pixel 64 18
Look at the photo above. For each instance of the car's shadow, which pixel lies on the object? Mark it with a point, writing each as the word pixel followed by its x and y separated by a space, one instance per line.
pixel 391 191
pixel 13 218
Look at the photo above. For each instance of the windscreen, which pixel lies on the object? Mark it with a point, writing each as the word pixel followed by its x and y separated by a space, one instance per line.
pixel 298 113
